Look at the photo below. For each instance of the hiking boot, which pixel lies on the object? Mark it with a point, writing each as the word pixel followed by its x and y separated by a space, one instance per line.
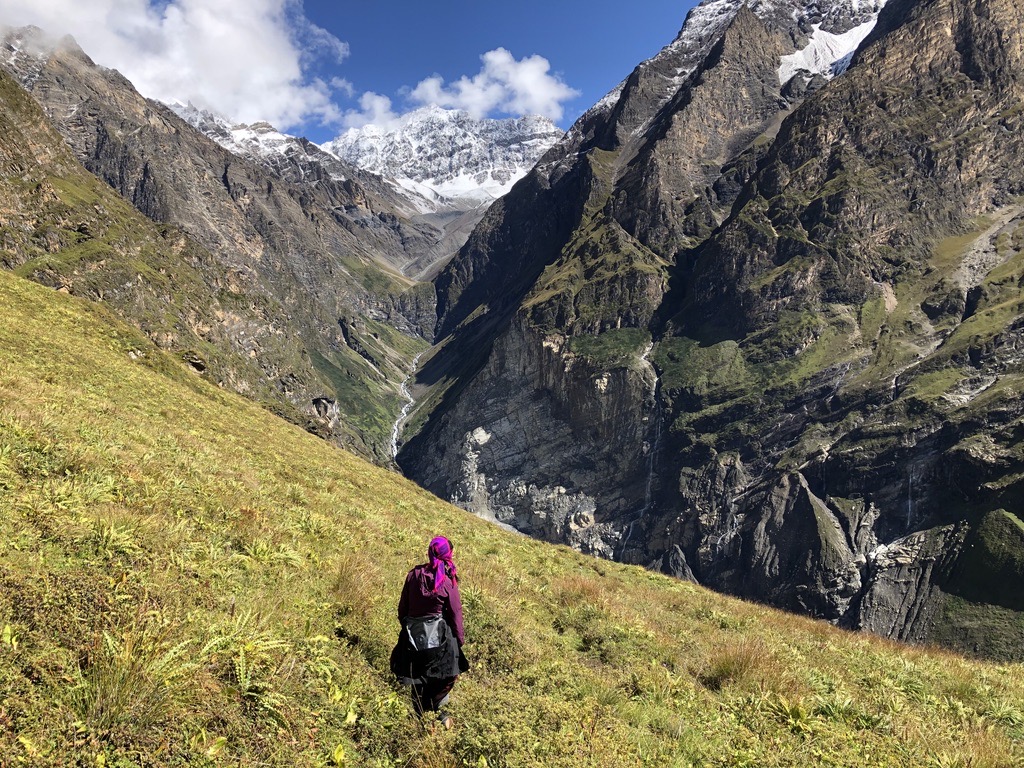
pixel 446 721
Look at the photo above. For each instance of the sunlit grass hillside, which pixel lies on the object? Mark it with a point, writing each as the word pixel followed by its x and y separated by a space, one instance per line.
pixel 185 580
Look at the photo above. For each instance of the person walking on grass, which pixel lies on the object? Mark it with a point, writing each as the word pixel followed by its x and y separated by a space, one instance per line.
pixel 428 655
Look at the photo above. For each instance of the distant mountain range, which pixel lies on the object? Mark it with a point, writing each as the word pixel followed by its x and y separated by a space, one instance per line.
pixel 442 159
pixel 448 157
pixel 446 166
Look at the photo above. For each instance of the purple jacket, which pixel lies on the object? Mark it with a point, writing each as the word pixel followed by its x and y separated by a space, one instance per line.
pixel 419 599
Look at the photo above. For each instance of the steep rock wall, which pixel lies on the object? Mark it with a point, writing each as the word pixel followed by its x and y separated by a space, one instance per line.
pixel 834 293
pixel 545 441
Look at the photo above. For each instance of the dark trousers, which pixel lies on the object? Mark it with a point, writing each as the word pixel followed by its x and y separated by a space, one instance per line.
pixel 432 694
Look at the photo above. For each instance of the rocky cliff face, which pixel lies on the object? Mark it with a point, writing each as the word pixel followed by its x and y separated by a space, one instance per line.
pixel 316 255
pixel 869 415
pixel 63 227
pixel 535 399
pixel 760 329
pixel 430 229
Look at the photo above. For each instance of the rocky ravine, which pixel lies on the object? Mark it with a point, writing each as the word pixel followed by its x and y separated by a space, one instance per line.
pixel 765 334
pixel 318 261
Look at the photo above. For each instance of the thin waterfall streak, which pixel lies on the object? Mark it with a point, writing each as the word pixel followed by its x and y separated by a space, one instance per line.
pixel 910 497
pixel 410 401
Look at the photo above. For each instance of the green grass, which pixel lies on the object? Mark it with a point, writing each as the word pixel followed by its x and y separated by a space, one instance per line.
pixel 930 386
pixel 1001 306
pixel 723 393
pixel 613 348
pixel 364 388
pixel 188 581
pixel 363 396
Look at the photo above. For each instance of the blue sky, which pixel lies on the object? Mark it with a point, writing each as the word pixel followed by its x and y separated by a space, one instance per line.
pixel 590 46
pixel 314 68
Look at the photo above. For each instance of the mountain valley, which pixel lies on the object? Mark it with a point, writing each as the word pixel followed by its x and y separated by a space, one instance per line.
pixel 754 321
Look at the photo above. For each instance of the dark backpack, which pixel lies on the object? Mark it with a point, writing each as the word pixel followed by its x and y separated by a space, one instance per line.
pixel 424 633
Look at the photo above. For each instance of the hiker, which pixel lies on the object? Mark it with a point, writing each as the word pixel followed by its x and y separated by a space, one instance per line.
pixel 428 655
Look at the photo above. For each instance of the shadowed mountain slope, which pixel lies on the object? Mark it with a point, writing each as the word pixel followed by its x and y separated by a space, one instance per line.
pixel 319 256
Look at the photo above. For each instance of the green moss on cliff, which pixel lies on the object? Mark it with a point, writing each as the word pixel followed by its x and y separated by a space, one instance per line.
pixel 717 372
pixel 969 627
pixel 615 348
pixel 991 566
pixel 604 278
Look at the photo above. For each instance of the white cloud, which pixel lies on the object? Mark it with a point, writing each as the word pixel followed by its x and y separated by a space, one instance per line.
pixel 344 86
pixel 374 109
pixel 251 60
pixel 504 84
pixel 246 59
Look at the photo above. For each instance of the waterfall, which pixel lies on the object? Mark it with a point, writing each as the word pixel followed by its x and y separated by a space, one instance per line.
pixel 396 428
pixel 910 497
pixel 726 537
pixel 655 448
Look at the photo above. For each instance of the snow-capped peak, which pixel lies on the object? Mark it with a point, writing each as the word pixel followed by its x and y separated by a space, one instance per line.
pixel 446 154
pixel 257 139
pixel 839 26
pixel 825 32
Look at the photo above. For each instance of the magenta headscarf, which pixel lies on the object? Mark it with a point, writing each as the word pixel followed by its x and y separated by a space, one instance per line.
pixel 440 555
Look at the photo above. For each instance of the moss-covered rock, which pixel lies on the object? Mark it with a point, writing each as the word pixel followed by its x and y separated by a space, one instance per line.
pixel 990 568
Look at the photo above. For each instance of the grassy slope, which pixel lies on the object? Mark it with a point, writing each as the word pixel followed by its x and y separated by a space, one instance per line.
pixel 187 581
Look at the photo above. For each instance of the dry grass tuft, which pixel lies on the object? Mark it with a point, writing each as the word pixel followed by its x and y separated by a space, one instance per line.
pixel 747 664
pixel 574 591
